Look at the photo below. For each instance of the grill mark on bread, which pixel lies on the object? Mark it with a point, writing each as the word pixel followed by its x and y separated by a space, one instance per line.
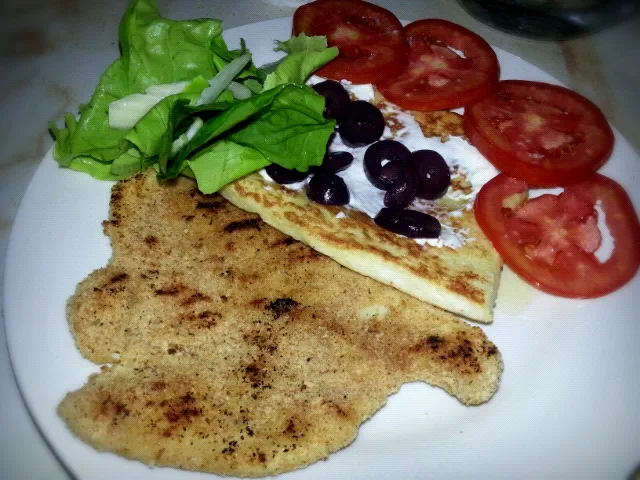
pixel 182 410
pixel 149 274
pixel 337 410
pixel 113 409
pixel 463 280
pixel 116 195
pixel 204 319
pixel 461 284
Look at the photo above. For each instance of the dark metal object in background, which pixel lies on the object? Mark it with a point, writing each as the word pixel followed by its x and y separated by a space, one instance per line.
pixel 551 19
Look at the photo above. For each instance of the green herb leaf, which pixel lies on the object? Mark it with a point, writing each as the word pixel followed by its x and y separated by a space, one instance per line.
pixel 154 51
pixel 305 56
pixel 271 119
pixel 292 132
pixel 224 162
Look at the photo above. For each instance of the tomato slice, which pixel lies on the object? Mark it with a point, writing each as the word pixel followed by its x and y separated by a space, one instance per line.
pixel 370 38
pixel 550 240
pixel 449 66
pixel 543 134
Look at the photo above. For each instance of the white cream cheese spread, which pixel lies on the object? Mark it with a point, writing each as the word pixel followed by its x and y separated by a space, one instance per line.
pixel 462 158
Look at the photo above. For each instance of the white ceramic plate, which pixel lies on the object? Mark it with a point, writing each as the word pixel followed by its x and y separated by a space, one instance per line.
pixel 567 406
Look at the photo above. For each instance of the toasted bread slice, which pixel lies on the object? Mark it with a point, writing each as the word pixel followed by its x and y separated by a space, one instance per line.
pixel 463 280
pixel 241 351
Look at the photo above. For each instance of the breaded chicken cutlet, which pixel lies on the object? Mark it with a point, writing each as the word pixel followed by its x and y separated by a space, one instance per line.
pixel 240 351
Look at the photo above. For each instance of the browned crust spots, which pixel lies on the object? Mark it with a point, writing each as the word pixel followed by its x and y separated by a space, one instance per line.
pixel 151 240
pixel 212 205
pixel 119 277
pixel 251 223
pixel 462 353
pixel 358 233
pixel 280 306
pixel 195 298
pixel 248 362
pixel 181 410
pixel 170 290
pixel 441 124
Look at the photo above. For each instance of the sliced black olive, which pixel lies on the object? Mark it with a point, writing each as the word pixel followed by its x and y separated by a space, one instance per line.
pixel 409 223
pixel 361 124
pixel 283 175
pixel 336 161
pixel 328 189
pixel 402 191
pixel 384 151
pixel 392 172
pixel 433 172
pixel 336 98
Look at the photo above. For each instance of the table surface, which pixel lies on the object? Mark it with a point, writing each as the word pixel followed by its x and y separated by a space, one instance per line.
pixel 44 46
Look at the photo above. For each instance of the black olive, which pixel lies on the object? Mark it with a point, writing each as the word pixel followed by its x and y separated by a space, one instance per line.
pixel 384 151
pixel 402 191
pixel 361 124
pixel 433 172
pixel 328 189
pixel 392 172
pixel 336 161
pixel 336 98
pixel 283 175
pixel 409 223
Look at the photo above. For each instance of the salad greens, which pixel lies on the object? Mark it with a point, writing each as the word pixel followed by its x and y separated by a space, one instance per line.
pixel 126 112
pixel 180 101
pixel 305 55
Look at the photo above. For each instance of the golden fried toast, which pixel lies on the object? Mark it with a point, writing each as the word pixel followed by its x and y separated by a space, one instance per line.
pixel 463 280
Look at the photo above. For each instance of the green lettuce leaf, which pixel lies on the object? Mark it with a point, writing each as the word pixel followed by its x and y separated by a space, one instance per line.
pixel 91 135
pixel 305 56
pixel 155 128
pixel 129 163
pixel 302 43
pixel 220 124
pixel 275 119
pixel 95 168
pixel 286 127
pixel 222 163
pixel 293 132
pixel 155 50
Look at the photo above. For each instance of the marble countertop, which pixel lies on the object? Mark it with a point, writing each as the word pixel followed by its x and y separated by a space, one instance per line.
pixel 53 52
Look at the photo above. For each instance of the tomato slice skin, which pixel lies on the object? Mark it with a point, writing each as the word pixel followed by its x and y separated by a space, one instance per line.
pixel 437 77
pixel 544 134
pixel 370 38
pixel 575 272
